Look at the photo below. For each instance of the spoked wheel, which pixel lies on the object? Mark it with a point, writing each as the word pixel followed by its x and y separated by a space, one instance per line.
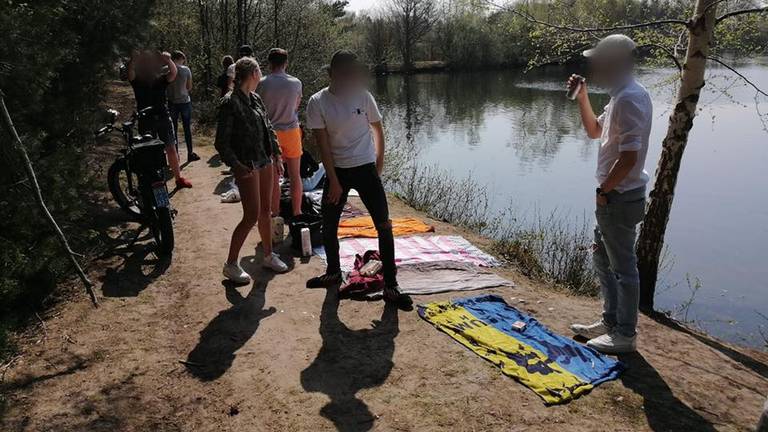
pixel 125 192
pixel 162 230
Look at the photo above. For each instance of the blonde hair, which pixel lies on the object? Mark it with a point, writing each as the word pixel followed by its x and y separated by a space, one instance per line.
pixel 244 68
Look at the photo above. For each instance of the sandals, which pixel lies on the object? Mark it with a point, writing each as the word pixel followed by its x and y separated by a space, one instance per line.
pixel 324 281
pixel 392 294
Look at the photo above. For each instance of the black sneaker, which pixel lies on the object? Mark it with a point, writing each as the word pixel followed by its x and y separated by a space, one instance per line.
pixel 324 281
pixel 392 294
pixel 193 157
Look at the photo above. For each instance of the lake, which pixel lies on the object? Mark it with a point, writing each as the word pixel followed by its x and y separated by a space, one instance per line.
pixel 517 134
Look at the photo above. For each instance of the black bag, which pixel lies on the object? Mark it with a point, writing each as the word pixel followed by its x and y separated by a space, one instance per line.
pixel 315 225
pixel 286 208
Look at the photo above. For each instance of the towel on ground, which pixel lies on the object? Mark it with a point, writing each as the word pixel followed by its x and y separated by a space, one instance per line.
pixel 363 227
pixel 424 278
pixel 415 249
pixel 557 368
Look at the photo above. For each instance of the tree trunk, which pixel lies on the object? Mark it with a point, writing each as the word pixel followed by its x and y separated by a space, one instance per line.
pixel 651 239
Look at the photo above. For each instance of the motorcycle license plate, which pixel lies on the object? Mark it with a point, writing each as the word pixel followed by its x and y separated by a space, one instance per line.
pixel 161 196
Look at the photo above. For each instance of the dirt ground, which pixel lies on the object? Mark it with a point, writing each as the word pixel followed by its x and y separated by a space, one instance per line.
pixel 172 348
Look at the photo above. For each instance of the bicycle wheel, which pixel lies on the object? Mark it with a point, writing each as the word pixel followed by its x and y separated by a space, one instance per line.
pixel 127 199
pixel 163 232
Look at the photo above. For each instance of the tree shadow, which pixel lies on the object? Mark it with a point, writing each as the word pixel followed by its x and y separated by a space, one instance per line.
pixel 753 364
pixel 349 361
pixel 228 332
pixel 663 410
pixel 139 269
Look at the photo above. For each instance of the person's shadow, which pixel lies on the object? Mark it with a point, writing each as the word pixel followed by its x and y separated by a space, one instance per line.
pixel 228 332
pixel 664 411
pixel 349 361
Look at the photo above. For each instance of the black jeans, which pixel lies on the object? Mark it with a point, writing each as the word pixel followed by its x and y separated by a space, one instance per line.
pixel 365 180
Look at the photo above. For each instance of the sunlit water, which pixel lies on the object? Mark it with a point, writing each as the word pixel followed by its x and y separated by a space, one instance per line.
pixel 520 136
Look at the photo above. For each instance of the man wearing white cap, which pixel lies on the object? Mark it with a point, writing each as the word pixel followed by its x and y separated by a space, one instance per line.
pixel 623 129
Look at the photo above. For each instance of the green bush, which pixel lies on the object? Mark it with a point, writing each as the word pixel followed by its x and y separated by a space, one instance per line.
pixel 54 61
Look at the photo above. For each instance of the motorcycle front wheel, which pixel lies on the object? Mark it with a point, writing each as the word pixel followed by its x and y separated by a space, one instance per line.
pixel 124 185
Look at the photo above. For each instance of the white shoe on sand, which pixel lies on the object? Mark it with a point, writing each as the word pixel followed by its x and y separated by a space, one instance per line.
pixel 591 331
pixel 236 274
pixel 274 263
pixel 614 343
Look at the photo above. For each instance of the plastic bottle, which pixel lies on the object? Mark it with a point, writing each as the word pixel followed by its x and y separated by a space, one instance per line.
pixel 278 230
pixel 306 242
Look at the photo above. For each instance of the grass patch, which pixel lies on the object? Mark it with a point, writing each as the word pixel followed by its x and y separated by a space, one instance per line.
pixel 544 247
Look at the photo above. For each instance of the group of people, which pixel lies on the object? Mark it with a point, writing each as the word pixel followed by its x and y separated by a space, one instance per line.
pixel 162 83
pixel 258 132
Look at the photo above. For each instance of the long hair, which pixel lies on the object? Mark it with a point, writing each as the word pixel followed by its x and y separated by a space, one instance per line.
pixel 244 68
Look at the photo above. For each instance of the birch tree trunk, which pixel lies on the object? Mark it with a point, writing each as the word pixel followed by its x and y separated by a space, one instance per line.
pixel 651 239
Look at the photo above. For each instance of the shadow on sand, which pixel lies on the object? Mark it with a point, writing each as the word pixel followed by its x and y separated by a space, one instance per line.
pixel 663 410
pixel 228 332
pixel 349 361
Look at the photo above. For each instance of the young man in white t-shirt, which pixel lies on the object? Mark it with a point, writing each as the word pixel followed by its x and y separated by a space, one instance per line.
pixel 623 129
pixel 346 124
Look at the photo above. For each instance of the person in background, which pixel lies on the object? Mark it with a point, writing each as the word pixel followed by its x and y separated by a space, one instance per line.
pixel 623 129
pixel 281 94
pixel 181 103
pixel 244 51
pixel 346 124
pixel 149 73
pixel 247 144
pixel 222 82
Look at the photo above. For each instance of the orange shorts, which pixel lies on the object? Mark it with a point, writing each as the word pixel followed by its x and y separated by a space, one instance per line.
pixel 290 143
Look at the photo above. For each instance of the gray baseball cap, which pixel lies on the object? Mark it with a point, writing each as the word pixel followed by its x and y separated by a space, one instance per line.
pixel 613 46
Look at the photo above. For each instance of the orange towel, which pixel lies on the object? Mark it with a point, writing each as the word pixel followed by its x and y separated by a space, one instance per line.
pixel 363 227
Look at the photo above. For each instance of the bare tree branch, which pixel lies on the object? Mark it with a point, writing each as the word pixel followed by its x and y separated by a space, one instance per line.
pixel 19 147
pixel 741 12
pixel 739 74
pixel 668 52
pixel 530 18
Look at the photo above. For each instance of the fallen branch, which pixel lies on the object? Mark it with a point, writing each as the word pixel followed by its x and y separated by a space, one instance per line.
pixel 19 147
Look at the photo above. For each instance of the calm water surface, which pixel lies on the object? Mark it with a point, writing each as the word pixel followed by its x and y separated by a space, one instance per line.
pixel 520 136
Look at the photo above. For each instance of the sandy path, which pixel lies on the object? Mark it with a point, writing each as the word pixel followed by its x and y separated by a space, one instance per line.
pixel 279 357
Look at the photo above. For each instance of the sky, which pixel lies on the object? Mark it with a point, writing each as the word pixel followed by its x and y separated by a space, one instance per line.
pixel 358 5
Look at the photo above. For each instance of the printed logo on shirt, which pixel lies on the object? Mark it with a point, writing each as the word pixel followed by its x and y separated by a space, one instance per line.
pixel 360 111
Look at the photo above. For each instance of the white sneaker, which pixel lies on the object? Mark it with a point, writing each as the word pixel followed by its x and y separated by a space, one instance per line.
pixel 274 263
pixel 613 343
pixel 591 331
pixel 236 274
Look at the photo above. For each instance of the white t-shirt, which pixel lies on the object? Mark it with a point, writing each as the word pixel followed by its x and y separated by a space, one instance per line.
pixel 626 124
pixel 348 123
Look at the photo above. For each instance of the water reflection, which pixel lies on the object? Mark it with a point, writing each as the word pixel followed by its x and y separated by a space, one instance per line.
pixel 520 136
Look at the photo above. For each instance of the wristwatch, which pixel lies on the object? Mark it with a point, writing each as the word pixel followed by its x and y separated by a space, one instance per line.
pixel 599 191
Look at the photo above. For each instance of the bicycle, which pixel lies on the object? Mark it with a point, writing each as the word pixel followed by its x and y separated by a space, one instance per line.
pixel 136 180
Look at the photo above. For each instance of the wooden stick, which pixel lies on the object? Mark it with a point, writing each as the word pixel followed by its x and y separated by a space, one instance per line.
pixel 18 145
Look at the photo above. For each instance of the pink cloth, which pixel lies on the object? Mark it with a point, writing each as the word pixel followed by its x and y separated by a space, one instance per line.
pixel 416 249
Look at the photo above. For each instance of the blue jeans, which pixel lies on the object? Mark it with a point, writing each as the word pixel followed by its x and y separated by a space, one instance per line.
pixel 185 110
pixel 615 259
